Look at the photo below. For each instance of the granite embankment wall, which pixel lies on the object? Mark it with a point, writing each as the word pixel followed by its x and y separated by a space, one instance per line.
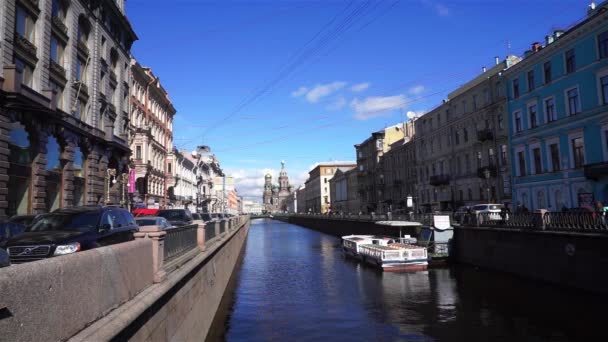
pixel 341 227
pixel 577 260
pixel 115 293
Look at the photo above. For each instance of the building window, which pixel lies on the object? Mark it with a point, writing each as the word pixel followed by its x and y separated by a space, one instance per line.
pixel 464 107
pixel 81 70
pixel 27 72
pixel 554 150
pixel 479 159
pixel 58 94
pixel 547 72
pixel 570 61
pixel 465 135
pixel 578 152
pixel 532 116
pixel 501 124
pixel 602 42
pixel 518 127
pixel 503 154
pixel 169 166
pixel 515 88
pixel 550 109
pixel 538 168
pixel 474 102
pixel 25 24
pixel 467 163
pixel 530 80
pixel 522 163
pixel 574 106
pixel 470 194
pixel 56 51
pixel 138 152
pixel 456 137
pixel 604 85
pixel 486 95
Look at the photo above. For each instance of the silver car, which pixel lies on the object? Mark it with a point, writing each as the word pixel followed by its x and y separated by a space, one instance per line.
pixel 153 221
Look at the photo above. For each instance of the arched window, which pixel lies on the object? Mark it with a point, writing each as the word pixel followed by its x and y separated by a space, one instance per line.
pixel 559 200
pixel 19 173
pixel 540 200
pixel 54 175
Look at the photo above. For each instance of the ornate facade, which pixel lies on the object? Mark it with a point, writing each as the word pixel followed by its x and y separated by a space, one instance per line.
pixel 151 128
pixel 64 104
pixel 275 196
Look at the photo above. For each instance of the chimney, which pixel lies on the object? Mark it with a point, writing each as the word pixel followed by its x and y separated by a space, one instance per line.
pixel 536 47
pixel 557 34
pixel 496 60
pixel 483 69
pixel 549 39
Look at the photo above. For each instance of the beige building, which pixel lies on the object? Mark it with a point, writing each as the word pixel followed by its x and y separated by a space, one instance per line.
pixel 318 196
pixel 461 146
pixel 300 199
pixel 64 111
pixel 343 191
pixel 369 152
pixel 151 139
pixel 398 172
pixel 182 179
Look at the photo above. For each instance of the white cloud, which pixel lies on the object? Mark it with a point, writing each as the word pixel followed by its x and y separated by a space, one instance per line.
pixel 417 89
pixel 301 91
pixel 338 104
pixel 360 87
pixel 415 113
pixel 321 90
pixel 376 105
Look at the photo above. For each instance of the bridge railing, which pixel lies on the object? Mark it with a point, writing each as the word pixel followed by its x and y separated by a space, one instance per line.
pixel 425 219
pixel 549 221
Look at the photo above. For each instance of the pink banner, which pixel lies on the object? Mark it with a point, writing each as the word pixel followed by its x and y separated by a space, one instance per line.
pixel 131 181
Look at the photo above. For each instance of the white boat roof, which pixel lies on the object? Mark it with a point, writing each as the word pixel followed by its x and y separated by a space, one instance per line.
pixel 399 223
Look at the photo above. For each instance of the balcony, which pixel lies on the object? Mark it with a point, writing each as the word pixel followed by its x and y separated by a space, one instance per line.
pixel 596 171
pixel 481 172
pixel 438 180
pixel 485 135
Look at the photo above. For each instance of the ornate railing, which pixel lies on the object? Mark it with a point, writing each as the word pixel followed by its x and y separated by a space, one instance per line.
pixel 550 221
pixel 180 240
pixel 209 232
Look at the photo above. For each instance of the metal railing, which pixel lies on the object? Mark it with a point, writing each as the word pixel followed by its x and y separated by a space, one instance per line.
pixel 209 232
pixel 425 219
pixel 180 240
pixel 549 221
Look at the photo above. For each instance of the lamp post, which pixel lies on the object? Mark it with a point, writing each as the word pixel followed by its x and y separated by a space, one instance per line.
pixel 486 174
pixel 111 180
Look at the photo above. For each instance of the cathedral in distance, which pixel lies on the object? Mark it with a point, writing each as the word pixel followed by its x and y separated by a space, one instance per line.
pixel 275 196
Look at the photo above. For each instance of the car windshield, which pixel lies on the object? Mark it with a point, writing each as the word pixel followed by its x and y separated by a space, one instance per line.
pixel 172 214
pixel 82 221
pixel 146 222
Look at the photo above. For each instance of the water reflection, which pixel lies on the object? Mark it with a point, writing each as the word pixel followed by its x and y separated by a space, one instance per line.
pixel 295 285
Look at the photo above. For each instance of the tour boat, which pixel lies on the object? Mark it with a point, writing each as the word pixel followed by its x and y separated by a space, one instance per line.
pixel 351 244
pixel 395 257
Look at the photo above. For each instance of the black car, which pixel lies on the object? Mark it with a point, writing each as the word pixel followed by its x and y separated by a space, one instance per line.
pixel 206 217
pixel 177 217
pixel 4 260
pixel 66 231
pixel 196 216
pixel 9 229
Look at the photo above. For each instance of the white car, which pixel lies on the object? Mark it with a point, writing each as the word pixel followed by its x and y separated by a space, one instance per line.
pixel 491 211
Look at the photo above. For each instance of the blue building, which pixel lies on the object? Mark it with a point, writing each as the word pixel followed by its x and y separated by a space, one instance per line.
pixel 558 117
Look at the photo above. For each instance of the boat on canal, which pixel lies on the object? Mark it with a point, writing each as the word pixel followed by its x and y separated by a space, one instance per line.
pixel 387 253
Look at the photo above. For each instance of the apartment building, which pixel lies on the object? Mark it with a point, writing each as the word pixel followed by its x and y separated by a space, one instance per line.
pixel 64 69
pixel 343 191
pixel 557 98
pixel 318 196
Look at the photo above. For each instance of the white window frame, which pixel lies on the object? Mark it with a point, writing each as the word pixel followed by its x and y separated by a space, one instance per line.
pixel 599 75
pixel 533 169
pixel 528 106
pixel 516 150
pixel 580 105
pixel 546 115
pixel 571 136
pixel 515 122
pixel 548 143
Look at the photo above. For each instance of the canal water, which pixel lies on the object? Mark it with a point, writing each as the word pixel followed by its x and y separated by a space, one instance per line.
pixel 295 285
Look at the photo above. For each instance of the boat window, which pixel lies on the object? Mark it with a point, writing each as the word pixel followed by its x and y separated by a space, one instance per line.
pixel 375 242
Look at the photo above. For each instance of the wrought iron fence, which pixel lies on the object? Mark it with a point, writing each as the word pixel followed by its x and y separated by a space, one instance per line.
pixel 553 221
pixel 209 231
pixel 179 240
pixel 425 219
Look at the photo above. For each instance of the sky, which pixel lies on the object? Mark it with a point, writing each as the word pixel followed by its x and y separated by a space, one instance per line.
pixel 303 81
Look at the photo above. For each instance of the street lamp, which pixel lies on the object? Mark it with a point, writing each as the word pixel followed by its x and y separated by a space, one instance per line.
pixel 486 174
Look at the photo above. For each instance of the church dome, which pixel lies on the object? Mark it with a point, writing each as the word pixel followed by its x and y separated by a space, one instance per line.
pixel 268 175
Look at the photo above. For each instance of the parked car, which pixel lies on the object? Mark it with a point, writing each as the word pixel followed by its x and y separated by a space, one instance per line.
pixel 24 220
pixel 153 221
pixel 492 211
pixel 4 259
pixel 216 216
pixel 66 231
pixel 206 217
pixel 177 217
pixel 9 229
pixel 196 216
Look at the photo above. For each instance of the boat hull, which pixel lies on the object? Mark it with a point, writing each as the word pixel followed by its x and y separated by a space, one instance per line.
pixel 398 266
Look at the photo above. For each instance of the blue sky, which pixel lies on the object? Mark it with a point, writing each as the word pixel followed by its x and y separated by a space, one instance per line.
pixel 303 81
